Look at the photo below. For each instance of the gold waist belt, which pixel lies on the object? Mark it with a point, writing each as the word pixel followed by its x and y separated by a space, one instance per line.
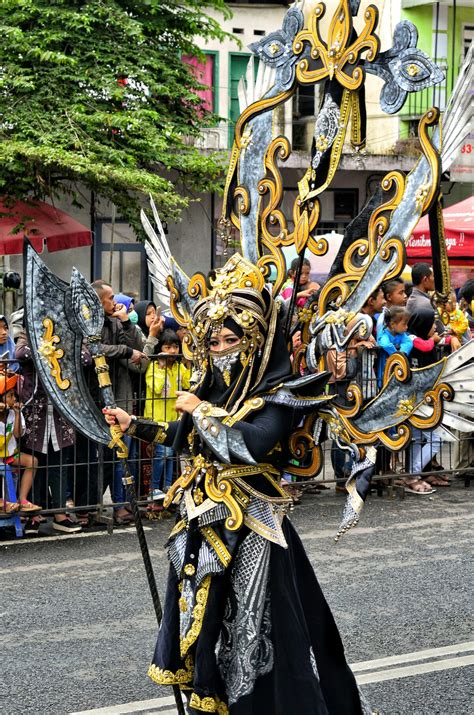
pixel 228 485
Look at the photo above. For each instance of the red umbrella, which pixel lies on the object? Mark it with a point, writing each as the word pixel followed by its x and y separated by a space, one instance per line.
pixel 458 229
pixel 43 224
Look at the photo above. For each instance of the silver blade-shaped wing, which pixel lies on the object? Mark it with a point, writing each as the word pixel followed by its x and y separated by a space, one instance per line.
pixel 56 346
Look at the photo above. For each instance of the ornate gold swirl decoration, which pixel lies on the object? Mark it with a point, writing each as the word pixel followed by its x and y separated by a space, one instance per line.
pixel 251 111
pixel 305 217
pixel 397 365
pixel 360 248
pixel 273 186
pixel 337 289
pixel 379 222
pixel 197 286
pixel 301 442
pixel 401 440
pixel 355 435
pixel 398 246
pixel 354 396
pixel 433 398
pixel 242 195
pixel 274 258
pixel 429 119
pixel 52 354
pixel 208 704
pixel 336 54
pixel 318 244
pixel 257 108
pixel 175 298
pixel 185 479
pixel 367 40
pixel 224 491
pixel 318 48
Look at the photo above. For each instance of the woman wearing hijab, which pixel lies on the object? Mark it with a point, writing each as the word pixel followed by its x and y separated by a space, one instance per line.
pixel 246 628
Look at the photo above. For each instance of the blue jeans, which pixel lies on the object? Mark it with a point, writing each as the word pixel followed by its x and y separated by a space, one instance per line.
pixel 425 446
pixel 162 473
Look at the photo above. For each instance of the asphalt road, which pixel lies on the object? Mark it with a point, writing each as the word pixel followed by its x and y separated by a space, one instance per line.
pixel 78 627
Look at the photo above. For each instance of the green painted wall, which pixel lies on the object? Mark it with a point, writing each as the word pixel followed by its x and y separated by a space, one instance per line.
pixel 423 18
pixel 464 16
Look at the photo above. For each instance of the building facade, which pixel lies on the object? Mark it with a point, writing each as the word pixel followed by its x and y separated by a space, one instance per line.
pixel 445 30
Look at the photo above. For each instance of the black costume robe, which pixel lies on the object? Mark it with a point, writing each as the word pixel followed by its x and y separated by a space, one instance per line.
pixel 246 628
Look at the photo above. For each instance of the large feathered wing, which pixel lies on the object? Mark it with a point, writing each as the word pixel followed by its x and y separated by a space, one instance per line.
pixel 164 270
pixel 158 254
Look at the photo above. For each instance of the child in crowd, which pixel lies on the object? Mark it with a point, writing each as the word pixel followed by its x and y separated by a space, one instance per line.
pixel 164 377
pixel 306 286
pixel 7 347
pixel 12 427
pixel 393 337
pixel 458 325
pixel 395 294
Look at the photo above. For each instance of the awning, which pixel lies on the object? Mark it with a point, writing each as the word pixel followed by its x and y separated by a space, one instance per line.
pixel 44 225
pixel 458 229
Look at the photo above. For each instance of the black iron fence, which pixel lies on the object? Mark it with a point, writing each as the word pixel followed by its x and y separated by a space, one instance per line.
pixel 78 478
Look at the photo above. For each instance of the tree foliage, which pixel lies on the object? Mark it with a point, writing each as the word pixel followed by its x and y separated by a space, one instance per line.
pixel 95 92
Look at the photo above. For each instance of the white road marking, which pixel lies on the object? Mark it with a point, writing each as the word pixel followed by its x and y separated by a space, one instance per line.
pixel 135 706
pixel 417 669
pixel 410 657
pixel 379 673
pixel 63 537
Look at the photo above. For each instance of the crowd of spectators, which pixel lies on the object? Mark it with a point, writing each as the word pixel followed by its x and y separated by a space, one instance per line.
pixel 405 319
pixel 56 466
pixel 59 471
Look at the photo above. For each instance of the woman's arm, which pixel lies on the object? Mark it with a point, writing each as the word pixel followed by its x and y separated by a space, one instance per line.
pixel 139 427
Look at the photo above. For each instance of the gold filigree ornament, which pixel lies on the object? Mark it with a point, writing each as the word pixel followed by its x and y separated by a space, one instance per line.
pixel 430 119
pixel 338 58
pixel 406 407
pixel 52 354
pixel 207 704
pixel 198 615
pixel 168 677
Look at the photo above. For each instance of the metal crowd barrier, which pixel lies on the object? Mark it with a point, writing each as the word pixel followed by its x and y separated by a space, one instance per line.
pixel 84 478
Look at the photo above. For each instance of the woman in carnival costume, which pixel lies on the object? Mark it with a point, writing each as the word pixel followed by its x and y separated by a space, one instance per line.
pixel 246 628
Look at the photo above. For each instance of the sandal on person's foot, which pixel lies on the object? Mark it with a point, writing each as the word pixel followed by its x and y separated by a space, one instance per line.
pixel 9 507
pixel 419 487
pixel 437 480
pixel 28 507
